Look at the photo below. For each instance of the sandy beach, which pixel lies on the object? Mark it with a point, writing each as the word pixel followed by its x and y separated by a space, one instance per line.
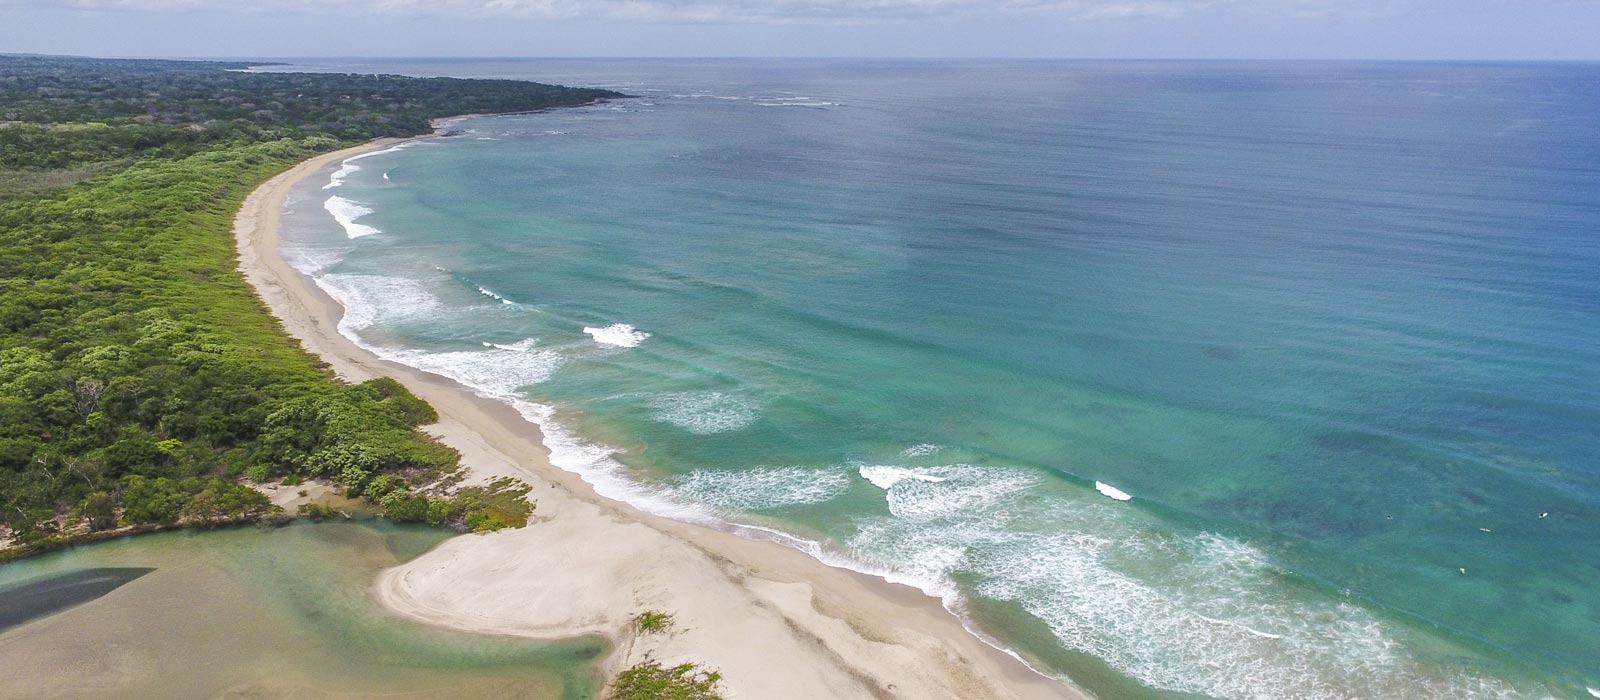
pixel 777 623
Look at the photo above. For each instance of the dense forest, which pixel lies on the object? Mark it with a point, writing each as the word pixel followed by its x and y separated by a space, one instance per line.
pixel 142 383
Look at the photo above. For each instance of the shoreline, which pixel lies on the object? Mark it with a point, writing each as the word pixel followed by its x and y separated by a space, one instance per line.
pixel 775 621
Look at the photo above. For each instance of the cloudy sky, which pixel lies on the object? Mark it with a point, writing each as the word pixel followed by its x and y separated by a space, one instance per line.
pixel 1426 29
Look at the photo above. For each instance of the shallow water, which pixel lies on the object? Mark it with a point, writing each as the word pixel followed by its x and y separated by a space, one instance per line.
pixel 280 613
pixel 1335 328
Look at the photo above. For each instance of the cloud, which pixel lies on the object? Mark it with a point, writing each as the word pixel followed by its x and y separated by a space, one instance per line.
pixel 752 11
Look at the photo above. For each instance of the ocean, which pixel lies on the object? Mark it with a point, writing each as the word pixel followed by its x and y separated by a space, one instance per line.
pixel 1232 380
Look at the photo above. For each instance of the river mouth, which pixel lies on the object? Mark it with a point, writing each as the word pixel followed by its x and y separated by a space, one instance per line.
pixel 255 613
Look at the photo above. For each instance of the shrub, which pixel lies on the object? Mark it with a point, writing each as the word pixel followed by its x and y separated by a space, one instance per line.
pixel 652 622
pixel 650 680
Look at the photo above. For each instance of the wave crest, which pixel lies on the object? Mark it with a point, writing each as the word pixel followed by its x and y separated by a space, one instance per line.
pixel 619 335
pixel 346 212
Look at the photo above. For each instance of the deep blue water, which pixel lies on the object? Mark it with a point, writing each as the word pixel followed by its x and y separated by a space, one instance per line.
pixel 1335 327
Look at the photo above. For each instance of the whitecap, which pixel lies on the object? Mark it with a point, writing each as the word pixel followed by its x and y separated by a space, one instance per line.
pixel 934 492
pixel 346 212
pixel 763 488
pixel 484 291
pixel 885 477
pixel 1112 492
pixel 705 412
pixel 920 450
pixel 620 335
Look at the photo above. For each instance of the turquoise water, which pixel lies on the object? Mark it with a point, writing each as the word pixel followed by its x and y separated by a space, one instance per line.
pixel 266 614
pixel 1335 328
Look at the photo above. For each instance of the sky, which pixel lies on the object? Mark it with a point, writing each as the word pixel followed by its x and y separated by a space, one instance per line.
pixel 1296 29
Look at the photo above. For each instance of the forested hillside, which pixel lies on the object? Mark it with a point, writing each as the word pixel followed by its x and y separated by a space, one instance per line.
pixel 141 380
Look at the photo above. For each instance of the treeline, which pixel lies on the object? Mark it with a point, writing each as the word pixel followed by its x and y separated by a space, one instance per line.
pixel 141 380
pixel 138 106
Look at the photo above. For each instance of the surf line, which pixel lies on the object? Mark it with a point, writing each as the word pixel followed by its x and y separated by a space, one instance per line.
pixel 1112 492
pixel 1256 632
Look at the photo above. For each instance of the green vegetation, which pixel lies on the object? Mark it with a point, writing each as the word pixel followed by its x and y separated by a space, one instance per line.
pixel 62 111
pixel 652 681
pixel 140 378
pixel 652 622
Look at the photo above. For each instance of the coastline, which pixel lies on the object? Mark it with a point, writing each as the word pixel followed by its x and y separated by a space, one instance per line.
pixel 775 621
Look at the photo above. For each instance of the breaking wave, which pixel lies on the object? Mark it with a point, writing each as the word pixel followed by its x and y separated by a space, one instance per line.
pixel 619 335
pixel 346 212
pixel 705 412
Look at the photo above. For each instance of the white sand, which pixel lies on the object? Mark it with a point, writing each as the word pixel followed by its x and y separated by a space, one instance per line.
pixel 777 623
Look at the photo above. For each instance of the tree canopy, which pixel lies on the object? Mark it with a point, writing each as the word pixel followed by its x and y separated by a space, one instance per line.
pixel 140 377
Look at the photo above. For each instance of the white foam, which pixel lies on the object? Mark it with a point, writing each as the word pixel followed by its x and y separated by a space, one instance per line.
pixel 1592 691
pixel 1112 492
pixel 1256 632
pixel 705 412
pixel 1198 613
pixel 763 488
pixel 347 167
pixel 920 450
pixel 346 212
pixel 885 477
pixel 392 149
pixel 337 178
pixel 372 299
pixel 938 492
pixel 501 370
pixel 596 465
pixel 494 296
pixel 620 335
pixel 311 260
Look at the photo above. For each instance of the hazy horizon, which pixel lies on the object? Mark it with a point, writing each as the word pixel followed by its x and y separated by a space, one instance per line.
pixel 1538 30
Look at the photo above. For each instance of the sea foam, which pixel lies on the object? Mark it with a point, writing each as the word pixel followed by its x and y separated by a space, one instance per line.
pixel 497 370
pixel 500 370
pixel 492 295
pixel 1112 492
pixel 337 178
pixel 762 488
pixel 1146 601
pixel 619 335
pixel 346 212
pixel 885 477
pixel 348 167
pixel 1199 613
pixel 369 300
pixel 705 412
